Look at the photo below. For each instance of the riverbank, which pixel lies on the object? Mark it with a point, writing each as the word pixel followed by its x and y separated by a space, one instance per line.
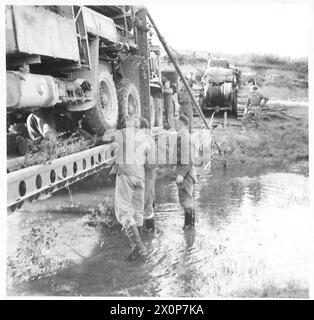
pixel 281 139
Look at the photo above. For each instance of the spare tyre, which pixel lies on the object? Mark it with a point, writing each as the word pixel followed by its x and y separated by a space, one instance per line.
pixel 105 114
pixel 128 101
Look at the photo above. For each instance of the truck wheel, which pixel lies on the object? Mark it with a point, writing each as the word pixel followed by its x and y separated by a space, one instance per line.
pixel 128 101
pixel 152 111
pixel 104 115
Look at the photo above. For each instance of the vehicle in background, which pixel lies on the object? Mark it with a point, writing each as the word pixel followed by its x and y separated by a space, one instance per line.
pixel 218 87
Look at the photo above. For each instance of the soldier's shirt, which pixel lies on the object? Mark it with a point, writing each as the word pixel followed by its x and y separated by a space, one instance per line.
pixel 130 160
pixel 183 95
pixel 255 99
pixel 185 153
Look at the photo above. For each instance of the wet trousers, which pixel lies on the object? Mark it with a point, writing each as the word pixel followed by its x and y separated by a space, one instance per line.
pixel 185 190
pixel 150 179
pixel 129 200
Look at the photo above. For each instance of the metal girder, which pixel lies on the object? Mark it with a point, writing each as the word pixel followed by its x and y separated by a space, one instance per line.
pixel 33 182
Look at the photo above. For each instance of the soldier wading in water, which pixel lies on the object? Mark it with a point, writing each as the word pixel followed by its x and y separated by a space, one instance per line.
pixel 185 171
pixel 134 150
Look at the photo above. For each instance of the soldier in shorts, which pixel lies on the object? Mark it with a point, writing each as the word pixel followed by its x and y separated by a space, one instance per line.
pixel 133 152
pixel 253 108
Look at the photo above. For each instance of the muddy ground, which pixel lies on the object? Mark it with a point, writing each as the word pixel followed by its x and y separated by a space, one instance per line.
pixel 283 136
pixel 281 139
pixel 247 231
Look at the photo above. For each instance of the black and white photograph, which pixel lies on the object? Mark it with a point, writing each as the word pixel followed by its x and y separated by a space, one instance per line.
pixel 157 150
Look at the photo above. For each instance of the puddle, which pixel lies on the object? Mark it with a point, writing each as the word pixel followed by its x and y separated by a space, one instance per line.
pixel 251 239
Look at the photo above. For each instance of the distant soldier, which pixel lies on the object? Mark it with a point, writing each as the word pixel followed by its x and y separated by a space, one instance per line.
pixel 209 58
pixel 237 74
pixel 253 107
pixel 169 104
pixel 185 104
pixel 198 77
pixel 191 80
pixel 186 177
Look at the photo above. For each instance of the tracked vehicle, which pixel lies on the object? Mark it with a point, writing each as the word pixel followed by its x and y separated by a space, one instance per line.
pixel 219 87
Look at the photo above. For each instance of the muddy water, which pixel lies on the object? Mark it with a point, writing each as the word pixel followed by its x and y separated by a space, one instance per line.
pixel 251 239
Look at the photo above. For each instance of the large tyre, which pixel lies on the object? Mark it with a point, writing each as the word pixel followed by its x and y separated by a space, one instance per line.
pixel 128 101
pixel 105 114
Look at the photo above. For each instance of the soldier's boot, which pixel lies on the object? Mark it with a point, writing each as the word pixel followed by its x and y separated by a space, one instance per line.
pixel 189 219
pixel 149 225
pixel 138 249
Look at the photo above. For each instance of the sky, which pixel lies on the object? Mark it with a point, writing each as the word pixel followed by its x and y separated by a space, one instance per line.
pixel 278 28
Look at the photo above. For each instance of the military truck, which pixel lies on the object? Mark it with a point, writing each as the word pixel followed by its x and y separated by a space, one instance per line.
pixel 219 86
pixel 92 61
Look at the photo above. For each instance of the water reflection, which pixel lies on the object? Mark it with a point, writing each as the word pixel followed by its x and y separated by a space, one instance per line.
pixel 251 236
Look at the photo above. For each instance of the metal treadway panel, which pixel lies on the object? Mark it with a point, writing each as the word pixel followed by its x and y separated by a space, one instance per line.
pixel 38 180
